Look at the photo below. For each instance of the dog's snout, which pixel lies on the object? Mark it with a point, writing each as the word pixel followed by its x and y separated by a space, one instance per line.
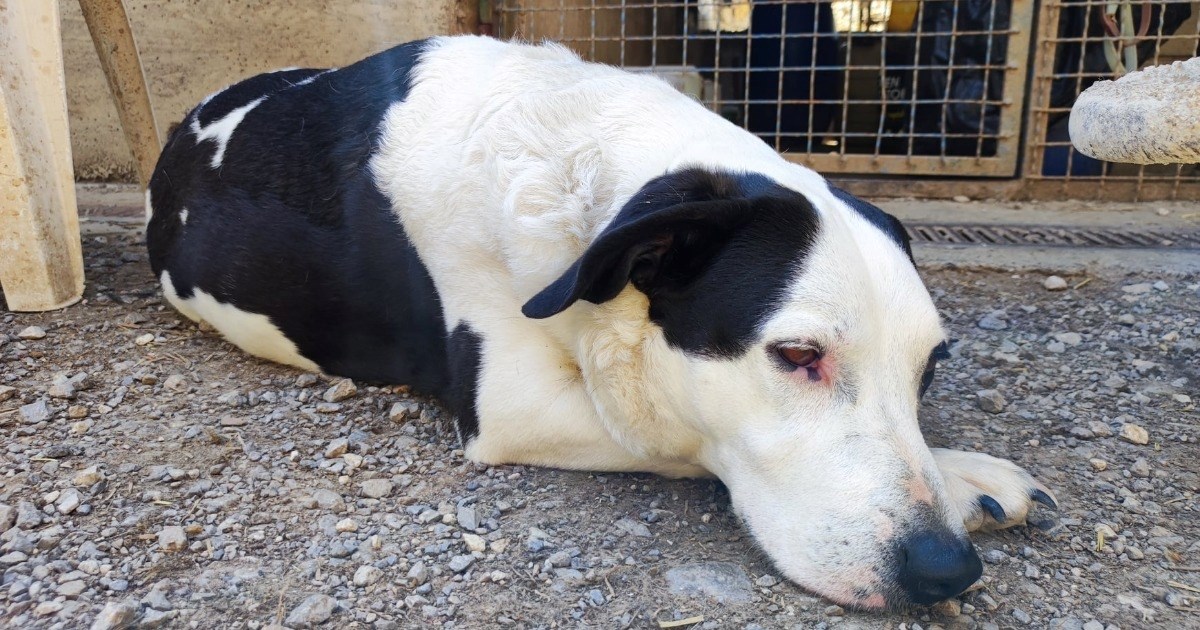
pixel 937 565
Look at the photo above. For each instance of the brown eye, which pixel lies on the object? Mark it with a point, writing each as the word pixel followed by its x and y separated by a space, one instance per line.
pixel 799 357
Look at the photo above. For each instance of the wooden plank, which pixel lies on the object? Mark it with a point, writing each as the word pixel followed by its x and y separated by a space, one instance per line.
pixel 108 24
pixel 41 262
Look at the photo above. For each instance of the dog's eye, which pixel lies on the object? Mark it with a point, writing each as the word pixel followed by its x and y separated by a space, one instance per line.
pixel 798 357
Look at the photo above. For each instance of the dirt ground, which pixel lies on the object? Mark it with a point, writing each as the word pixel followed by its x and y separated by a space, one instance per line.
pixel 180 483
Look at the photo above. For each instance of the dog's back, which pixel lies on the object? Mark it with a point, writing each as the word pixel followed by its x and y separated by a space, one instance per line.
pixel 264 221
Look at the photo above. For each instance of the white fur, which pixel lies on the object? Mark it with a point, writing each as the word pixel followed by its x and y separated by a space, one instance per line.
pixel 149 208
pixel 252 332
pixel 219 131
pixel 183 214
pixel 555 147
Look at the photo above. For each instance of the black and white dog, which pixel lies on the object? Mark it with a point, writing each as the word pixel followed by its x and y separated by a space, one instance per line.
pixel 592 271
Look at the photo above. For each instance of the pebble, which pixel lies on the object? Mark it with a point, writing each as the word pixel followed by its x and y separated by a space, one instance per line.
pixel 7 392
pixel 117 615
pixel 145 339
pixel 993 321
pixel 342 390
pixel 1070 338
pixel 71 589
pixel 316 609
pixel 64 390
pixel 175 383
pixel 961 199
pixel 1137 289
pixel 990 400
pixel 367 575
pixel 376 488
pixel 1140 468
pixel 306 380
pixel 474 542
pixel 1022 616
pixel 68 501
pixel 458 564
pixel 8 517
pixel 76 412
pixel 1054 283
pixel 467 518
pixel 31 333
pixel 346 525
pixel 634 528
pixel 1099 465
pixel 1134 434
pixel 596 597
pixel 35 412
pixel 337 448
pixel 724 582
pixel 172 538
pixel 87 477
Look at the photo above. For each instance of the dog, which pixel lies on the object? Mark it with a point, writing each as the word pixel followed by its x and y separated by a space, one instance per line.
pixel 591 271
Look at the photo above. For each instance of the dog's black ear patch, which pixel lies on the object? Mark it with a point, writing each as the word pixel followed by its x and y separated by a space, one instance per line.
pixel 880 219
pixel 663 237
pixel 714 253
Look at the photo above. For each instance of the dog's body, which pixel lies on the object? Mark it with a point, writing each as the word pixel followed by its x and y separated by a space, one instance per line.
pixel 594 272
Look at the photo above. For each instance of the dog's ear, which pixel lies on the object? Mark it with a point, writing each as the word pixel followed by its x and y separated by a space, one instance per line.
pixel 663 238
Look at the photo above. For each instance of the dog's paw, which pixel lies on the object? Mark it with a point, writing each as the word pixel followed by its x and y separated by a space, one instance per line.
pixel 990 493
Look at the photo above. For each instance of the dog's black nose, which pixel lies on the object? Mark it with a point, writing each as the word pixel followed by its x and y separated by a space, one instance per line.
pixel 937 565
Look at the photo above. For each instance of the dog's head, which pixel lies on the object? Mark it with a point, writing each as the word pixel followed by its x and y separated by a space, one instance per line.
pixel 792 341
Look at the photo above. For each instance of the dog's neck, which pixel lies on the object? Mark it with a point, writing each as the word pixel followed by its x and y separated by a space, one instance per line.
pixel 633 379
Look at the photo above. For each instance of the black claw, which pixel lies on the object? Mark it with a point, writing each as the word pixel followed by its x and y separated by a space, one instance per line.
pixel 992 507
pixel 1044 499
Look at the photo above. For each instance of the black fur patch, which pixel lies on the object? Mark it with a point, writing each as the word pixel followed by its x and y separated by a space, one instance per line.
pixel 714 252
pixel 292 225
pixel 880 219
pixel 465 350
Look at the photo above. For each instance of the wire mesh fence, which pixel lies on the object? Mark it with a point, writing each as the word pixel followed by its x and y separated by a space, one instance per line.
pixel 889 87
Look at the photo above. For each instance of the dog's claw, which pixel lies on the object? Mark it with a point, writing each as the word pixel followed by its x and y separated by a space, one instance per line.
pixel 993 508
pixel 1043 498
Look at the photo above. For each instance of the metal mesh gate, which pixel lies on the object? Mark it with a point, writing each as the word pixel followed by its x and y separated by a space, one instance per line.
pixel 1079 43
pixel 891 87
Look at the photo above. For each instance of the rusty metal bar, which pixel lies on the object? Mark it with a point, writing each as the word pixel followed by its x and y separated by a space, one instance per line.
pixel 109 26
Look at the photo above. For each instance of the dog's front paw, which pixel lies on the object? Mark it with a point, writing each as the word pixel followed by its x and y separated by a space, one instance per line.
pixel 990 493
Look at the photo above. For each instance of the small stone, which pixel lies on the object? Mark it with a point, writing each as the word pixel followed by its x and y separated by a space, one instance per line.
pixel 474 543
pixel 7 392
pixel 1161 286
pixel 367 575
pixel 1137 289
pixel 352 461
pixel 35 412
pixel 990 400
pixel 306 380
pixel 961 199
pixel 340 391
pixel 1054 283
pixel 1140 468
pixel 346 525
pixel 81 427
pixel 1022 616
pixel 68 501
pixel 1135 434
pixel 337 448
pixel 72 589
pixel 47 608
pixel 1100 429
pixel 1093 625
pixel 633 527
pixel 766 581
pixel 31 333
pixel 76 412
pixel 64 390
pixel 172 538
pixel 314 610
pixel 1070 338
pixel 458 564
pixel 595 597
pixel 1181 398
pixel 1099 465
pixel 144 339
pixel 949 608
pixel 468 519
pixel 28 515
pixel 559 559
pixel 376 488
pixel 14 557
pixel 834 611
pixel 175 383
pixel 155 619
pixel 117 615
pixel 327 500
pixel 233 421
pixel 993 321
pixel 724 582
pixel 418 573
pixel 328 407
pixel 8 517
pixel 1057 347
pixel 995 556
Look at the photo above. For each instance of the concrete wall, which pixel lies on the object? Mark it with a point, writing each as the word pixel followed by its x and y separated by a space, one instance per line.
pixel 191 48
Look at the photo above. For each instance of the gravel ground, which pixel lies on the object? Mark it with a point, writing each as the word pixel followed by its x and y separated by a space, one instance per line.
pixel 154 476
